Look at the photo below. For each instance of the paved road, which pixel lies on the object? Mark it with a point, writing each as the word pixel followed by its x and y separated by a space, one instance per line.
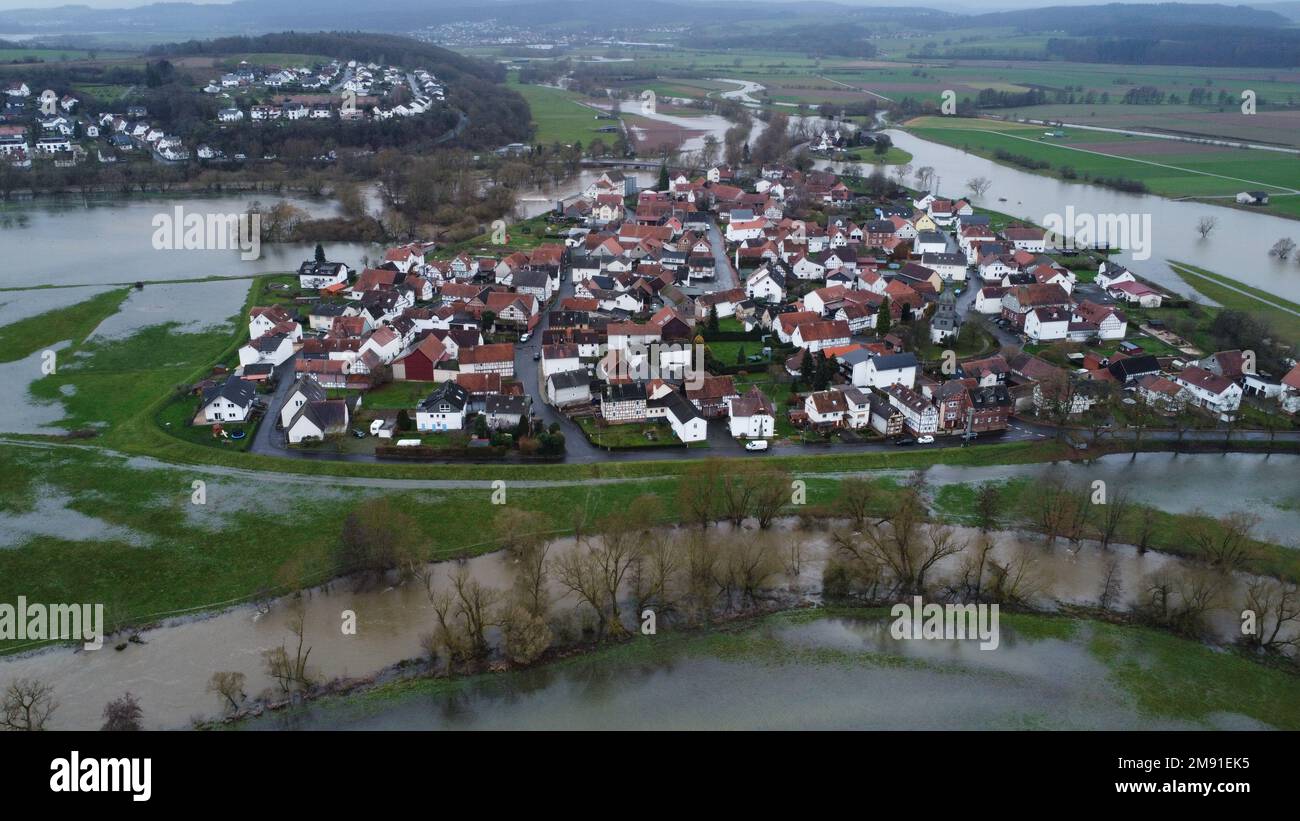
pixel 267 439
pixel 727 278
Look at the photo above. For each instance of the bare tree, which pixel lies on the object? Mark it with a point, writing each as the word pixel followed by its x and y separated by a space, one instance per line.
pixel 122 714
pixel 290 672
pixel 1276 605
pixel 771 493
pixel 523 534
pixel 697 492
pixel 1111 585
pixel 1112 516
pixel 475 606
pixel 27 705
pixel 1226 542
pixel 1283 248
pixel 525 636
pixel 988 505
pixel 924 176
pixel 653 572
pixel 229 685
pixel 978 186
pixel 1206 225
pixel 1147 520
pixel 857 496
pixel 1015 581
pixel 904 546
pixel 736 497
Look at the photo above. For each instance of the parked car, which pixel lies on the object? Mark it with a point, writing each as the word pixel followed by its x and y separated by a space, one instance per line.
pixel 904 440
pixel 927 439
pixel 358 433
pixel 537 355
pixel 524 337
pixel 756 444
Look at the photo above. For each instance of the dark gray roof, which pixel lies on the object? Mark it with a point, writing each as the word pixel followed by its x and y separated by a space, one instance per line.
pixel 450 392
pixel 310 388
pixel 507 405
pixel 235 390
pixel 569 379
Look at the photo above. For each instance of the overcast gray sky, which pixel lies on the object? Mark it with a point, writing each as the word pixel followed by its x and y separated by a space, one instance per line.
pixel 971 6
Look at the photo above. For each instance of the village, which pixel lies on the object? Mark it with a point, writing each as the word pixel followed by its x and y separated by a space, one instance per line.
pixel 727 313
pixel 46 126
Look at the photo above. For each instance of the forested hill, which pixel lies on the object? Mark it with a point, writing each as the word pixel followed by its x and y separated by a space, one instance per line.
pixel 345 45
pixel 1117 18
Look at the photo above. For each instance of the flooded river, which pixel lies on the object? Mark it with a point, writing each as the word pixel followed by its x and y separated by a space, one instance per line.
pixel 170 670
pixel 1238 248
pixel 823 674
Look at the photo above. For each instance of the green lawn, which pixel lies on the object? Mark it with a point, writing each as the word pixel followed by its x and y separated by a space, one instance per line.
pixel 397 395
pixel 650 434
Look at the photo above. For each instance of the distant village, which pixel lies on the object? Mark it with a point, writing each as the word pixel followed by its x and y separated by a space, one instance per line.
pixel 705 311
pixel 45 127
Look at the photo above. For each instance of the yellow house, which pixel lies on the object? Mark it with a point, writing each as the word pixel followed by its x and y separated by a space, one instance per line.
pixel 923 222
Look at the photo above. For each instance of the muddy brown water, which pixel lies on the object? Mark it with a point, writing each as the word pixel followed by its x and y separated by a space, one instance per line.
pixel 170 670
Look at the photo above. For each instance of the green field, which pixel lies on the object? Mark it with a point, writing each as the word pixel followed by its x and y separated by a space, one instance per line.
pixel 1172 170
pixel 560 116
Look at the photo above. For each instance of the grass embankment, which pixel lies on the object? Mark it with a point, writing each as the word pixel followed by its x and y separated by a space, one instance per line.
pixel 1282 315
pixel 1165 676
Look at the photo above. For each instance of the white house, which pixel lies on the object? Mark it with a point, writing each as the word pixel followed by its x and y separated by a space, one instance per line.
pixel 878 371
pixel 444 409
pixel 568 388
pixel 305 390
pixel 825 407
pixel 231 401
pixel 1217 394
pixel 751 416
pixel 766 285
pixel 1047 324
pixel 686 421
pixel 317 420
pixel 920 417
pixel 269 349
pixel 1110 273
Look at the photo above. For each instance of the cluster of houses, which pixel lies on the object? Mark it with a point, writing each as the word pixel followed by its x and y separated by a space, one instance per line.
pixel 53 129
pixel 649 283
pixel 50 127
pixel 358 96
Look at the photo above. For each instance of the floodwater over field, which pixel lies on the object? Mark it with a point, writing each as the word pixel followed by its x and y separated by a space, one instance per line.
pixel 170 670
pixel 1238 248
pixel 69 241
pixel 825 673
pixel 1267 486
